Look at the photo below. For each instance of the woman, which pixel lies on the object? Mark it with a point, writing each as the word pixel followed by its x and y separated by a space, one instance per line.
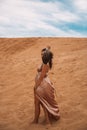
pixel 44 89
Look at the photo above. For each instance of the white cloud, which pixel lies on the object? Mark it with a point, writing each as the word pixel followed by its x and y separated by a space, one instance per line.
pixel 4 20
pixel 66 17
pixel 81 5
pixel 28 11
pixel 17 16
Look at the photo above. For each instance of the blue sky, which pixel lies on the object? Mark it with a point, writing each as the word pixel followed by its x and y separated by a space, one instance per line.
pixel 43 18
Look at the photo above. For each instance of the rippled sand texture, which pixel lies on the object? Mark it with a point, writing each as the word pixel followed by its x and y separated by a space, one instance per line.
pixel 19 59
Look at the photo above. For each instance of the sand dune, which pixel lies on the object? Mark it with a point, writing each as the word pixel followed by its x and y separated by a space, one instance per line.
pixel 19 59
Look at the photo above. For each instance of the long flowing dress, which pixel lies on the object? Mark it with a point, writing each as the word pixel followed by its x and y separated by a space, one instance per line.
pixel 46 95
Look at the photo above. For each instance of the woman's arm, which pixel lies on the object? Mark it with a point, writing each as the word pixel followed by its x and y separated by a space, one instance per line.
pixel 43 73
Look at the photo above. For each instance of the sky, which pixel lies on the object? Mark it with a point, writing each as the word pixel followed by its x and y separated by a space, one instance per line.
pixel 43 18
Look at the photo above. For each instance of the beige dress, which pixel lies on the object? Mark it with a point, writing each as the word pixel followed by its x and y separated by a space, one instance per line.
pixel 46 95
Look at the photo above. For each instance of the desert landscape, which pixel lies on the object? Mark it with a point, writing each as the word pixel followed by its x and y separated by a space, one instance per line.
pixel 19 59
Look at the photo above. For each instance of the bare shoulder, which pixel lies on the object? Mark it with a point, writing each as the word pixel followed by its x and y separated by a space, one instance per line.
pixel 45 67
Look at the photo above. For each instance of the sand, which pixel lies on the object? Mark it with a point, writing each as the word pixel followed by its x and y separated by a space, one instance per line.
pixel 19 59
